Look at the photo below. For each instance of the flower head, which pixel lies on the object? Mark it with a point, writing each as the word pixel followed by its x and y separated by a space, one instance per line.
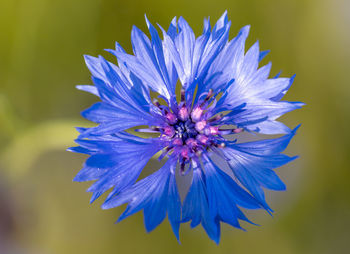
pixel 222 93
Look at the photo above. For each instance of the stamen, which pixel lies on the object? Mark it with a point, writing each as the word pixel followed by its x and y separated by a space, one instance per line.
pixel 147 130
pixel 192 143
pixel 202 138
pixel 169 131
pixel 214 130
pixel 196 114
pixel 201 125
pixel 164 153
pixel 199 153
pixel 207 98
pixel 184 153
pixel 221 145
pixel 230 131
pixel 177 142
pixel 171 118
pixel 238 130
pixel 182 168
pixel 155 128
pixel 216 118
pixel 191 130
pixel 183 113
pixel 209 95
pixel 183 97
pixel 156 103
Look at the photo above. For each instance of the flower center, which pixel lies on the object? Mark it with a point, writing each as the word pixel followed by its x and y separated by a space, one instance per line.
pixel 189 131
pixel 185 130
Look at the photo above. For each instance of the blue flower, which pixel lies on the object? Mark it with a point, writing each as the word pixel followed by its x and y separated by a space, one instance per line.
pixel 222 92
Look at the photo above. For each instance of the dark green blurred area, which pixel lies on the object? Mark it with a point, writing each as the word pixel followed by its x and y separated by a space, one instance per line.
pixel 41 60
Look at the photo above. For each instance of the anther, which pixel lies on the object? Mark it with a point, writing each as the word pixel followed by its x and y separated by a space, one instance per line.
pixel 199 153
pixel 202 138
pixel 210 94
pixel 147 130
pixel 214 130
pixel 216 118
pixel 183 98
pixel 183 113
pixel 238 130
pixel 156 103
pixel 177 142
pixel 201 125
pixel 221 145
pixel 169 131
pixel 207 98
pixel 171 118
pixel 192 143
pixel 155 128
pixel 184 153
pixel 182 168
pixel 230 131
pixel 196 114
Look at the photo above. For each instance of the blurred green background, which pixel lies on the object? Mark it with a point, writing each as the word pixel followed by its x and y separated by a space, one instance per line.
pixel 41 60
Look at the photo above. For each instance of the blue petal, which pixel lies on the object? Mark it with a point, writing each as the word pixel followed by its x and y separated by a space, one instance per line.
pixel 102 160
pixel 199 48
pixel 149 77
pixel 124 105
pixel 284 90
pixel 78 149
pixel 269 179
pixel 252 164
pixel 267 146
pixel 263 54
pixel 221 201
pixel 213 47
pixel 174 205
pixel 220 24
pixel 157 194
pixel 228 61
pixel 248 181
pixel 158 52
pixel 269 127
pixel 184 42
pixel 207 48
pixel 196 207
pixel 174 57
pixel 102 112
pixel 94 66
pixel 119 175
pixel 172 30
pixel 250 63
pixel 88 88
pixel 272 88
pixel 193 57
pixel 278 74
pixel 268 109
pixel 89 174
pixel 113 120
pixel 111 159
pixel 150 55
pixel 170 68
pixel 227 186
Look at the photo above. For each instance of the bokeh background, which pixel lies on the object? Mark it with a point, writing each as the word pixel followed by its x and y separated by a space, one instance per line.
pixel 41 60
